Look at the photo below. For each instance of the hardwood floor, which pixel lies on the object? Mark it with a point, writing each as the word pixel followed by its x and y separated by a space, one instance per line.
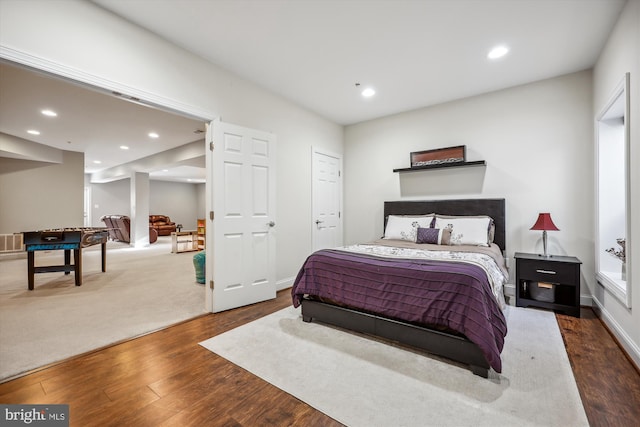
pixel 608 383
pixel 167 379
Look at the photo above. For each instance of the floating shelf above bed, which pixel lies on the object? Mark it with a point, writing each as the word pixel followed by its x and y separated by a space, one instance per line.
pixel 442 165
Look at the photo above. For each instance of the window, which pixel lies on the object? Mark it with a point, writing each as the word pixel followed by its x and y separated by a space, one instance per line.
pixel 613 267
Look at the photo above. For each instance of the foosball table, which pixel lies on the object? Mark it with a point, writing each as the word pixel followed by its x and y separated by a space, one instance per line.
pixel 67 239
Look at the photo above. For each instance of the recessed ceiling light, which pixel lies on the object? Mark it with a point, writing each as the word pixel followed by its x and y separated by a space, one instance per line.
pixel 165 170
pixel 368 92
pixel 153 135
pixel 49 113
pixel 97 162
pixel 33 132
pixel 124 147
pixel 498 52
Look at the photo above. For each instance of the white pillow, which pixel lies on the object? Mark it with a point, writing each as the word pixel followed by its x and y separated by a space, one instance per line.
pixel 466 231
pixel 406 227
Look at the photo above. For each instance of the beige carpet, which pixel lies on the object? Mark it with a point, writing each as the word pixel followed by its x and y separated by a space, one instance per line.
pixel 143 290
pixel 363 382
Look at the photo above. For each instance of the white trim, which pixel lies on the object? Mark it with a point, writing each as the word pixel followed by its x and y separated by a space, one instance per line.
pixel 509 290
pixel 285 283
pixel 586 300
pixel 105 85
pixel 613 287
pixel 619 290
pixel 88 205
pixel 625 341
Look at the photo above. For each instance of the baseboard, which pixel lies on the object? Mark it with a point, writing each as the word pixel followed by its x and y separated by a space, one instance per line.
pixel 285 283
pixel 13 255
pixel 628 346
pixel 510 290
pixel 586 301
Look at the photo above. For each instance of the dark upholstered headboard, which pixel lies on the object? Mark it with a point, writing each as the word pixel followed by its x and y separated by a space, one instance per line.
pixel 495 208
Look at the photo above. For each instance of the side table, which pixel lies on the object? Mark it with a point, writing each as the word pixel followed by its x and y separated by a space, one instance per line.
pixel 551 282
pixel 184 241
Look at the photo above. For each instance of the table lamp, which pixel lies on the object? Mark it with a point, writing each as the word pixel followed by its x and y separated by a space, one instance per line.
pixel 544 223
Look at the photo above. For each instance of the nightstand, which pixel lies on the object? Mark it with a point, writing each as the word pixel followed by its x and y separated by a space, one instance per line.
pixel 548 282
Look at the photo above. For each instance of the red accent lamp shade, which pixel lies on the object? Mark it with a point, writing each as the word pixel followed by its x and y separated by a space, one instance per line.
pixel 544 222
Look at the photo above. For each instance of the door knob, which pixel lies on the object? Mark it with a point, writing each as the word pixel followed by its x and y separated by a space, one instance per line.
pixel 318 221
pixel 271 224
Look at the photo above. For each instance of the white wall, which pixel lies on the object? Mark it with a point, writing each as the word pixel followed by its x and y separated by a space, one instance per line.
pixel 620 55
pixel 109 198
pixel 177 200
pixel 201 200
pixel 536 140
pixel 180 201
pixel 80 36
pixel 39 195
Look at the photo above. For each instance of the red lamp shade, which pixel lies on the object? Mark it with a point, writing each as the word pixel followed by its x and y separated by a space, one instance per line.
pixel 544 222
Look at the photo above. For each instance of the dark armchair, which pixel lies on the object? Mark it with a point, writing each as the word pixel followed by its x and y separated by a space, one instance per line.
pixel 119 226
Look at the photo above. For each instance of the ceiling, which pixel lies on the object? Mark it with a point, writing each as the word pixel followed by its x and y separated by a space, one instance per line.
pixel 415 53
pixel 313 52
pixel 95 123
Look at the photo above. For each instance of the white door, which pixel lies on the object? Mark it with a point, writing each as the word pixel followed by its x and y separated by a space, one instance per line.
pixel 327 200
pixel 241 261
pixel 87 207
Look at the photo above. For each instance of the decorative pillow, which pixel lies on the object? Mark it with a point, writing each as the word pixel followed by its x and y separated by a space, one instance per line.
pixel 405 227
pixel 492 225
pixel 466 230
pixel 436 236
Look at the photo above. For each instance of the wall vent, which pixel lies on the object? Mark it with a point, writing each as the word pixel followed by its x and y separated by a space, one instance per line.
pixel 11 243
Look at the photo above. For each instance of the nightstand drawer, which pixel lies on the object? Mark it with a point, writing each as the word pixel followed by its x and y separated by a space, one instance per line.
pixel 551 272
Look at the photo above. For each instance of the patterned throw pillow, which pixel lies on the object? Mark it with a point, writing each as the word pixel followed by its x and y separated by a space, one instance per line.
pixel 435 236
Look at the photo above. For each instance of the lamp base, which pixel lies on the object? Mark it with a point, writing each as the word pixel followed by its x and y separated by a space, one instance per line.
pixel 544 243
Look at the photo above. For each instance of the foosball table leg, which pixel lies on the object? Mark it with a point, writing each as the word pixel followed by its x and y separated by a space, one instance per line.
pixel 31 270
pixel 77 264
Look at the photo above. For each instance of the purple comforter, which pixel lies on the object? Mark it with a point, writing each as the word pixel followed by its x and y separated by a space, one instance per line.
pixel 455 295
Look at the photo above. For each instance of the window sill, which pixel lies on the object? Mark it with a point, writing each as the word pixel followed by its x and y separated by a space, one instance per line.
pixel 615 285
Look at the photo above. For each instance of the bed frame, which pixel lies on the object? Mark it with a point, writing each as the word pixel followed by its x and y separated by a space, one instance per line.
pixel 454 347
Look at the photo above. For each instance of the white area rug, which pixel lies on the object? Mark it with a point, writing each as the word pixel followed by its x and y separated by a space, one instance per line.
pixel 363 382
pixel 143 290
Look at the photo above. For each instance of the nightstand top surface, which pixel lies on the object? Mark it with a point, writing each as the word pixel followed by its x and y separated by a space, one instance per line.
pixel 551 258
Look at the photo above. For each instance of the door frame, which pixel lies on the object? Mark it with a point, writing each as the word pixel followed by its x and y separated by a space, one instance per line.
pixel 317 150
pixel 88 218
pixel 107 87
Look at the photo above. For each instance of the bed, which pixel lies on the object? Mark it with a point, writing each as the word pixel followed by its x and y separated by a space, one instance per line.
pixel 442 298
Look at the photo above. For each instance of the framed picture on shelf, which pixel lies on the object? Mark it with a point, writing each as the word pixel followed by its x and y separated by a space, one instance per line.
pixel 438 156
